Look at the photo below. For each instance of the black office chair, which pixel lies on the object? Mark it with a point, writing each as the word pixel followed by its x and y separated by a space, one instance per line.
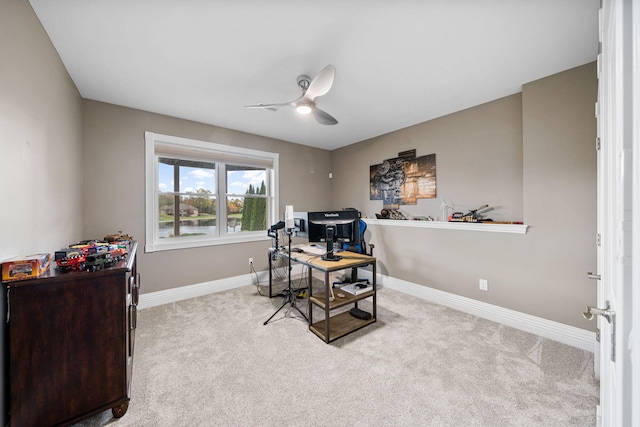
pixel 360 248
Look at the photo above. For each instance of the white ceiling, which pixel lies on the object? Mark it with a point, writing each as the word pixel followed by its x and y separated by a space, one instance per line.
pixel 398 62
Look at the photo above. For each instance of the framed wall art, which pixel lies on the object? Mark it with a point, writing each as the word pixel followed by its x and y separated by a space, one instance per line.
pixel 404 179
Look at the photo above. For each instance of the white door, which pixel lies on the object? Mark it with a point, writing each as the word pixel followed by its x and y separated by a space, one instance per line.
pixel 615 213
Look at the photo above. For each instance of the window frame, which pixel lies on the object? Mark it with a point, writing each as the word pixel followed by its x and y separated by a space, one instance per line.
pixel 159 145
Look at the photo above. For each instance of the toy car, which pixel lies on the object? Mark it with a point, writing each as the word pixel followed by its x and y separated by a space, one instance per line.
pixel 71 262
pixel 63 253
pixel 118 253
pixel 99 260
pixel 117 237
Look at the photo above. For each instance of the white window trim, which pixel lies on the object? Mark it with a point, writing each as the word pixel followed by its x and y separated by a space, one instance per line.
pixel 152 242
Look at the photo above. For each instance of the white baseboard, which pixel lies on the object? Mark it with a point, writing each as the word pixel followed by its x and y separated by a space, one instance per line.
pixel 556 331
pixel 153 299
pixel 565 334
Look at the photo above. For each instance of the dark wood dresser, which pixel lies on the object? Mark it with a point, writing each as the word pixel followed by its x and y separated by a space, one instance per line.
pixel 69 343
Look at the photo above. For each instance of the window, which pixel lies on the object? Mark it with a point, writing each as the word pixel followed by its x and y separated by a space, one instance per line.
pixel 201 193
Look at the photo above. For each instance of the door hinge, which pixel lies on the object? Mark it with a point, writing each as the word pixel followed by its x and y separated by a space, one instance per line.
pixel 598 240
pixel 598 335
pixel 597 143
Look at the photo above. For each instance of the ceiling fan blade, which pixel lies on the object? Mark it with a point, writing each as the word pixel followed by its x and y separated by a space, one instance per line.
pixel 323 117
pixel 274 107
pixel 270 107
pixel 322 83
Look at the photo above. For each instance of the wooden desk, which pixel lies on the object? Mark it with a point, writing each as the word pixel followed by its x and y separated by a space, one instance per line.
pixel 333 327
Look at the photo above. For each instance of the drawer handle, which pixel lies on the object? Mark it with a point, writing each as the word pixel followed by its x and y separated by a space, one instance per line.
pixel 136 295
pixel 133 317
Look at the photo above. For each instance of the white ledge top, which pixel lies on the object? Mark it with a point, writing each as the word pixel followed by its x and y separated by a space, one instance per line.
pixel 466 226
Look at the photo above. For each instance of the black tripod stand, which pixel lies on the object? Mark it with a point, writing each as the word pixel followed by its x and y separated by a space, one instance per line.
pixel 289 293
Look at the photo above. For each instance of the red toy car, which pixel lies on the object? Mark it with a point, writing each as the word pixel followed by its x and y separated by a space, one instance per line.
pixel 73 261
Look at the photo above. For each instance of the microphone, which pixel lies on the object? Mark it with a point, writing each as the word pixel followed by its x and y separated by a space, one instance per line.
pixel 289 222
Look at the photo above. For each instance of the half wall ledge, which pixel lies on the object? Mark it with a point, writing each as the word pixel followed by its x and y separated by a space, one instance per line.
pixel 463 226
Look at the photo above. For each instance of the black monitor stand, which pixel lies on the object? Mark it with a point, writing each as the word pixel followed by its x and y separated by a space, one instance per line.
pixel 330 256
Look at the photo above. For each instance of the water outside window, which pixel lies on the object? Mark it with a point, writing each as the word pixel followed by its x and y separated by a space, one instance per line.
pixel 191 187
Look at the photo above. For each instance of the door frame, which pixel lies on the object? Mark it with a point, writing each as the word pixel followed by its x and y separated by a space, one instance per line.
pixel 619 211
pixel 634 341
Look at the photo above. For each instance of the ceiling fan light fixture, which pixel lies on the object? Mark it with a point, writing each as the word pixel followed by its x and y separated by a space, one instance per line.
pixel 311 89
pixel 303 109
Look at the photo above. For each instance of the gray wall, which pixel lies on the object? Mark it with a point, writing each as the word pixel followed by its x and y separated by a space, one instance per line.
pixel 478 161
pixel 40 146
pixel 530 155
pixel 40 139
pixel 114 190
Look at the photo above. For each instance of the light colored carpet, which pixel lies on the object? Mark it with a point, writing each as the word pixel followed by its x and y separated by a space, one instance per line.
pixel 210 361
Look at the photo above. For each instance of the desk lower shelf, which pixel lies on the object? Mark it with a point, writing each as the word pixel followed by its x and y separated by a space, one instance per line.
pixel 319 299
pixel 339 325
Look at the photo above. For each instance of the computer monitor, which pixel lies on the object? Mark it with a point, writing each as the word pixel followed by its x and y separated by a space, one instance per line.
pixel 334 226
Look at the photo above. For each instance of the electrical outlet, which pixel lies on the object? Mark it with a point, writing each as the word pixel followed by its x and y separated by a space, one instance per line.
pixel 484 285
pixel 250 261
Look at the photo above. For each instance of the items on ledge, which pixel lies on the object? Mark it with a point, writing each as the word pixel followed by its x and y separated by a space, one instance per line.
pixel 477 215
pixel 474 215
pixel 390 214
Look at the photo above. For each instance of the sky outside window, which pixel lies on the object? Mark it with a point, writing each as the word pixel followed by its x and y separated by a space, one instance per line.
pixel 191 178
pixel 194 178
pixel 238 181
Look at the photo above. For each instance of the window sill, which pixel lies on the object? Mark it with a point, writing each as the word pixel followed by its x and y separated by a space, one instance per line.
pixel 173 244
pixel 465 226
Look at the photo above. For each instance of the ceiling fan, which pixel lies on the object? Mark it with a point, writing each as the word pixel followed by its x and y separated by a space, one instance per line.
pixel 311 89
